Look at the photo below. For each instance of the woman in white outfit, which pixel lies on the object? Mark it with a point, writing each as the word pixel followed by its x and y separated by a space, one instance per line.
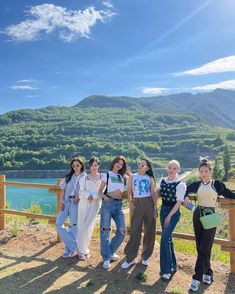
pixel 88 207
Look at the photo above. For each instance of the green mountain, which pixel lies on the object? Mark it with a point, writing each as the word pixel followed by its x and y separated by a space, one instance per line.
pixel 182 126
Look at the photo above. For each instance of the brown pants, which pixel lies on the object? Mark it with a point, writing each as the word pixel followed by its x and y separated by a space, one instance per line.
pixel 143 214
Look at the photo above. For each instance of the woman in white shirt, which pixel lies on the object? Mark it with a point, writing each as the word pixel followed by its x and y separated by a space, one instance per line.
pixel 88 207
pixel 172 192
pixel 141 195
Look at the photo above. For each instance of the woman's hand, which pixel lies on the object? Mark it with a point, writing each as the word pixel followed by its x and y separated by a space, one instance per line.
pixel 62 206
pixel 167 221
pixel 76 200
pixel 155 212
pixel 186 201
pixel 90 198
pixel 106 199
pixel 132 206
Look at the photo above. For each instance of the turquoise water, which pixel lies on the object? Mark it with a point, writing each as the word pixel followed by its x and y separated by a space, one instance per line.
pixel 21 198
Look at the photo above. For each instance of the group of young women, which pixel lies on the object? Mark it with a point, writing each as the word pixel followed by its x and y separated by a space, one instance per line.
pixel 80 202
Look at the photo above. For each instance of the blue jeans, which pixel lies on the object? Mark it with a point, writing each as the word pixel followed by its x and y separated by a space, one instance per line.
pixel 111 210
pixel 68 235
pixel 167 255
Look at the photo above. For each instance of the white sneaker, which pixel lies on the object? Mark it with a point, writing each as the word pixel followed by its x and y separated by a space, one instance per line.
pixel 74 253
pixel 166 277
pixel 194 285
pixel 126 265
pixel 106 264
pixel 115 257
pixel 206 279
pixel 145 262
pixel 81 256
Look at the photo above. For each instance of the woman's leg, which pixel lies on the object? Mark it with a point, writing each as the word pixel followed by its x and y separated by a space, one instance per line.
pixel 204 241
pixel 167 258
pixel 105 229
pixel 91 215
pixel 131 249
pixel 73 216
pixel 119 219
pixel 62 231
pixel 82 214
pixel 149 228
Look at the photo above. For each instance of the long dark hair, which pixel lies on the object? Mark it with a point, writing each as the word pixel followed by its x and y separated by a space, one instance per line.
pixel 205 162
pixel 149 172
pixel 92 160
pixel 122 171
pixel 69 175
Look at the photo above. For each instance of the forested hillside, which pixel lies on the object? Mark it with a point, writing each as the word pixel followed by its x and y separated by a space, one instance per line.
pixel 160 128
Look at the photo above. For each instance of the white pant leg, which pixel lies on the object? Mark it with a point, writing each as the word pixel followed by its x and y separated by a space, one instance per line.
pixel 65 234
pixel 86 220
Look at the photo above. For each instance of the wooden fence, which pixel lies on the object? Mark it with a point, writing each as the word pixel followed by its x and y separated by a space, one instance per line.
pixel 229 204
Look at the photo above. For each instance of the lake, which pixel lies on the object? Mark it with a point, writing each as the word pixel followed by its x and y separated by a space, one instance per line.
pixel 20 198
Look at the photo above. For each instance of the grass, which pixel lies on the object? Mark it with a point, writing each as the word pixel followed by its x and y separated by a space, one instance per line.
pixel 141 276
pixel 15 228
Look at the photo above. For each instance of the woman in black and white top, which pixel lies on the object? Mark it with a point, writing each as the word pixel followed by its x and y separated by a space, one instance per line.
pixel 207 191
pixel 172 192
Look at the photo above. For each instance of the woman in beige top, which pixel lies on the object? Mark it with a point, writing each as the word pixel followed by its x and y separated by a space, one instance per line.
pixel 207 191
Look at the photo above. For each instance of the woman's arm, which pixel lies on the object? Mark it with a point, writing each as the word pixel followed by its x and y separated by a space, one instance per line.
pixel 191 188
pixel 101 189
pixel 171 213
pixel 221 189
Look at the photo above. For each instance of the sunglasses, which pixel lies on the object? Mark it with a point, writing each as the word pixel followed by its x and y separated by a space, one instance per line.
pixel 141 164
pixel 76 165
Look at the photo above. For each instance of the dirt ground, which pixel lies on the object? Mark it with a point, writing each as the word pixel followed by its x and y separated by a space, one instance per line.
pixel 31 263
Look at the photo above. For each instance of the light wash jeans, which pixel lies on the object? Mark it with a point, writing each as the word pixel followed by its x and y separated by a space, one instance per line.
pixel 68 235
pixel 167 254
pixel 111 210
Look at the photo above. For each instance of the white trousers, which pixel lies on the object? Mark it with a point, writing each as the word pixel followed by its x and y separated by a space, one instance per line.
pixel 87 212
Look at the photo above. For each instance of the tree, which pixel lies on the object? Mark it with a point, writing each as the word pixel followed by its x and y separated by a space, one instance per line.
pixel 217 172
pixel 227 162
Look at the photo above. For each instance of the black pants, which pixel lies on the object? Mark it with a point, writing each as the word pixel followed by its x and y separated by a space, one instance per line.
pixel 204 242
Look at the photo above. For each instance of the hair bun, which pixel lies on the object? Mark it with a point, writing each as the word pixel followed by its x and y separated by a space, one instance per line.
pixel 203 160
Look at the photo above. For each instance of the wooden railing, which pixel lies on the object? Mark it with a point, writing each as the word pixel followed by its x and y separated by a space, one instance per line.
pixel 229 204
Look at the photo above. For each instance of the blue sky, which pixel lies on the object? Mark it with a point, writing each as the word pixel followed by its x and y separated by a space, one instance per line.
pixel 59 52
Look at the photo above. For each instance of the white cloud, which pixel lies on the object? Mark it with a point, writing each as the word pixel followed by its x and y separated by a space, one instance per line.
pixel 225 64
pixel 107 4
pixel 48 18
pixel 27 81
pixel 229 85
pixel 22 87
pixel 154 91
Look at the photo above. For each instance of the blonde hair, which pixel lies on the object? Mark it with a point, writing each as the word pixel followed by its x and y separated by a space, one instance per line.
pixel 175 162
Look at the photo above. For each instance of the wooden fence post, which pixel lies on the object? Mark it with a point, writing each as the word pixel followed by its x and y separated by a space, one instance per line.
pixel 2 203
pixel 58 202
pixel 232 237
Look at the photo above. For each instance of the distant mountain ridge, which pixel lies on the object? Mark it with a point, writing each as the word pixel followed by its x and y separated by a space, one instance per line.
pixel 217 106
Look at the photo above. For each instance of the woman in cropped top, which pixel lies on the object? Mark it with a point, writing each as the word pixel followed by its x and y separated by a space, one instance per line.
pixel 207 191
pixel 111 189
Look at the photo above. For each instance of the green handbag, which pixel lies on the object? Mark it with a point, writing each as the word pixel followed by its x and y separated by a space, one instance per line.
pixel 210 219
